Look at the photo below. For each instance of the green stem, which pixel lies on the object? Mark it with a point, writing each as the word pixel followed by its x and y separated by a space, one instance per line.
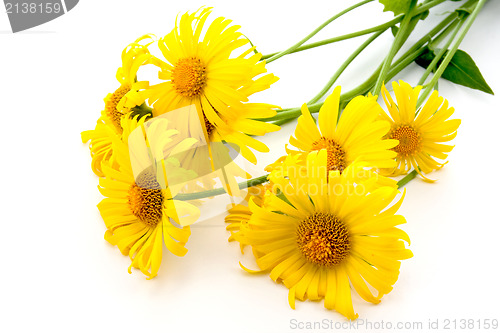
pixel 409 56
pixel 406 59
pixel 406 179
pixel 365 87
pixel 401 63
pixel 318 29
pixel 439 55
pixel 428 38
pixel 398 41
pixel 282 121
pixel 289 114
pixel 451 52
pixel 426 6
pixel 218 191
pixel 436 41
pixel 292 113
pixel 421 9
pixel 344 65
pixel 383 26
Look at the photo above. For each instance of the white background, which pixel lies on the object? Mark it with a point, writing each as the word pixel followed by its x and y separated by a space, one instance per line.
pixel 58 273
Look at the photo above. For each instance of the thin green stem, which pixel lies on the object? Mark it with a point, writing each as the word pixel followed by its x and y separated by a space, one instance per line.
pixel 439 55
pixel 406 59
pixel 398 66
pixel 288 114
pixel 421 9
pixel 398 41
pixel 281 121
pixel 366 86
pixel 451 52
pixel 406 179
pixel 428 37
pixel 344 65
pixel 436 41
pixel 402 62
pixel 383 26
pixel 318 29
pixel 218 191
pixel 429 5
pixel 292 113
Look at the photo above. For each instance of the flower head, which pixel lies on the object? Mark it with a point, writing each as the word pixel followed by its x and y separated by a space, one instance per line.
pixel 200 69
pixel 139 210
pixel 128 95
pixel 420 132
pixel 357 135
pixel 324 232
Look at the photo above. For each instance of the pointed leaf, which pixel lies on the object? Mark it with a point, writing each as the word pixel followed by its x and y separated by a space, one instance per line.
pixel 394 30
pixel 461 70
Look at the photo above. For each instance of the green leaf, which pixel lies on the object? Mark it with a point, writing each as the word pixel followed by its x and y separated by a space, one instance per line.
pixel 396 6
pixel 461 70
pixel 394 30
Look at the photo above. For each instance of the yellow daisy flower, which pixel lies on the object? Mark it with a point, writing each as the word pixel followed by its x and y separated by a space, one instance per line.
pixel 138 210
pixel 239 215
pixel 119 103
pixel 357 135
pixel 420 133
pixel 199 70
pixel 327 232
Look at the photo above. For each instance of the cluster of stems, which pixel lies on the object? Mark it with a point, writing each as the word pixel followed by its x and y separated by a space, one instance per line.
pixel 451 28
pixel 449 32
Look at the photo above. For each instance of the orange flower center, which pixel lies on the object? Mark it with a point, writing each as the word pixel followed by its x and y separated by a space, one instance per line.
pixel 145 199
pixel 323 239
pixel 409 139
pixel 112 112
pixel 335 153
pixel 189 77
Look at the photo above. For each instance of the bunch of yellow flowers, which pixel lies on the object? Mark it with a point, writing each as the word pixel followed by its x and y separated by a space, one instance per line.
pixel 323 219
